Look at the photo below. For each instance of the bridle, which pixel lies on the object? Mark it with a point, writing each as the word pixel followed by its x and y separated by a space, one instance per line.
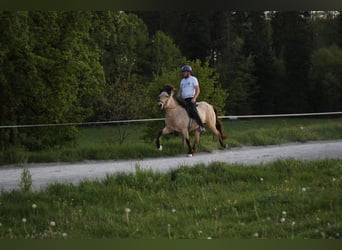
pixel 165 103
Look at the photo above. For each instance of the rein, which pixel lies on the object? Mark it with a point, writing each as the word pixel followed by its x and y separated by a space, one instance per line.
pixel 167 103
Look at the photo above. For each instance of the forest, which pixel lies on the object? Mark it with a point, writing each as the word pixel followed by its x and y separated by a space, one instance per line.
pixel 77 66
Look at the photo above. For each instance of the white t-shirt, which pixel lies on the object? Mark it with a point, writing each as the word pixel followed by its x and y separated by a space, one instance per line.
pixel 187 86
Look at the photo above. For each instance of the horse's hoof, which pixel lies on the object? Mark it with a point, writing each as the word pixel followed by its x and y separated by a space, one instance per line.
pixel 189 155
pixel 226 146
pixel 160 148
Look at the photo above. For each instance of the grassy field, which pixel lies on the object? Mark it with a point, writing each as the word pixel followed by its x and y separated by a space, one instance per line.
pixel 102 142
pixel 286 199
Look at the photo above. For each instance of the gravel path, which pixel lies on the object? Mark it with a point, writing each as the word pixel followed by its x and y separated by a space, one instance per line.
pixel 44 174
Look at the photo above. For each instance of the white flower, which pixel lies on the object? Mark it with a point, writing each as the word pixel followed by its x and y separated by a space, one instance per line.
pixel 52 223
pixel 301 127
pixel 268 218
pixel 262 179
pixel 286 181
pixel 64 235
pixel 34 206
pixel 209 238
pixel 333 179
pixel 24 220
pixel 282 220
pixel 293 223
pixel 127 210
pixel 318 219
pixel 199 232
pixel 284 213
pixel 303 189
pixel 173 210
pixel 255 235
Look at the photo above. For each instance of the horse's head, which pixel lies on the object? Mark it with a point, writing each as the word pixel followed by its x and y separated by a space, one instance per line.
pixel 165 93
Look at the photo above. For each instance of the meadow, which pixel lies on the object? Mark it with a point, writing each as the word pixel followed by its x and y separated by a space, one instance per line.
pixel 286 199
pixel 137 140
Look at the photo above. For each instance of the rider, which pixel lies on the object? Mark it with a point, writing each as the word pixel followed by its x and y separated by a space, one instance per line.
pixel 189 91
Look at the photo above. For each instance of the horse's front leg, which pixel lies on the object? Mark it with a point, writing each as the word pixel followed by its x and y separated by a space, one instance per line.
pixel 162 132
pixel 186 137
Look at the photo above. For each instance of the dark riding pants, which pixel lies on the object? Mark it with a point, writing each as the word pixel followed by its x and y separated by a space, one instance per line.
pixel 192 111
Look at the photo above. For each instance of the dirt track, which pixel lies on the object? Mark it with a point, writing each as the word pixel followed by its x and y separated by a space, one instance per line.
pixel 44 174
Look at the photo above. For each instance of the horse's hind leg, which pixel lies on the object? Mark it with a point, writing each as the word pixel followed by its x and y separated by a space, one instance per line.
pixel 186 137
pixel 163 131
pixel 196 142
pixel 218 134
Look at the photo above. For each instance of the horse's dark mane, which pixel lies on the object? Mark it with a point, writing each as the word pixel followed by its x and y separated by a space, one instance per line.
pixel 168 89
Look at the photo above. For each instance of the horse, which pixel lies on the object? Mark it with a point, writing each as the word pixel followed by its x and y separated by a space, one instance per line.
pixel 178 120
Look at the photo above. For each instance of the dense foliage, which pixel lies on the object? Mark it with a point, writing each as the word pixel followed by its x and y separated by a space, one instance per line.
pixel 98 65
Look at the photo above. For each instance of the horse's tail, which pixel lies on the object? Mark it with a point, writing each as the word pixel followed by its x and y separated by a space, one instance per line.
pixel 219 125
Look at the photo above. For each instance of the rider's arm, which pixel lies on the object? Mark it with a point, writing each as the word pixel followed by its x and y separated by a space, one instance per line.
pixel 197 92
pixel 179 94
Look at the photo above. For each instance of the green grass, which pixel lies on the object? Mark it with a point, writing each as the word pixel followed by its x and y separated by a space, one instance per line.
pixel 217 201
pixel 102 143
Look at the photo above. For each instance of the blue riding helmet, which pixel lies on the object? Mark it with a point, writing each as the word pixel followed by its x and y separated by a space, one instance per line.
pixel 186 68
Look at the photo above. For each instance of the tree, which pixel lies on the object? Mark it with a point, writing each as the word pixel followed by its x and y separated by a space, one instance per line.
pixel 164 53
pixel 258 43
pixel 339 39
pixel 16 72
pixel 292 41
pixel 326 79
pixel 325 31
pixel 236 75
pixel 127 67
pixel 51 75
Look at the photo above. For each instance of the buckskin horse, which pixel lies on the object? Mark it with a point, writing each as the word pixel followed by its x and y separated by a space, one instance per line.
pixel 178 120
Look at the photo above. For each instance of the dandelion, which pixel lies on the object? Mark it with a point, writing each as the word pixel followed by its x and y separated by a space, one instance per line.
pixel 173 210
pixel 318 219
pixel 200 232
pixel 34 206
pixel 127 211
pixel 209 238
pixel 261 179
pixel 169 230
pixel 64 235
pixel 301 127
pixel 283 213
pixel 303 189
pixel 292 231
pixel 24 220
pixel 282 220
pixel 268 218
pixel 255 235
pixel 52 223
pixel 333 179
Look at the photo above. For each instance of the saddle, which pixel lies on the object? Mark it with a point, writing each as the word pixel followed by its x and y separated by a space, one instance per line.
pixel 188 109
pixel 182 103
